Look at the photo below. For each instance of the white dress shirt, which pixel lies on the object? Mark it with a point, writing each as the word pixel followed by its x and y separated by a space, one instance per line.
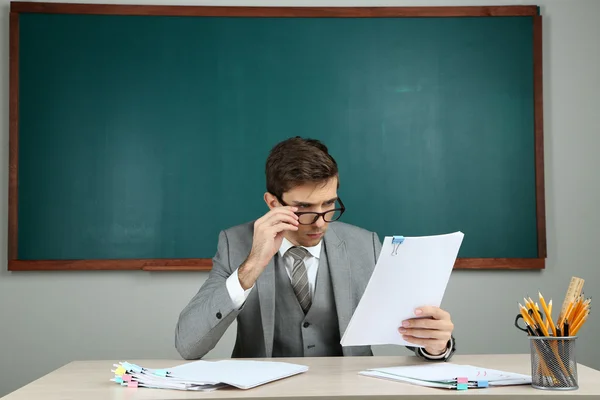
pixel 311 261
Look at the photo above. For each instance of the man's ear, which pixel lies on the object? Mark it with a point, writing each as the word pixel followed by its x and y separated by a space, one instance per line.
pixel 271 200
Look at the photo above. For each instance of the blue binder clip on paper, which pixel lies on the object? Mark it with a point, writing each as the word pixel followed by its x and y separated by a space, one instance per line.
pixel 396 242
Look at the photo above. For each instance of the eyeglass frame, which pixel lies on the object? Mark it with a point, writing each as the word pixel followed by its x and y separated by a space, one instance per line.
pixel 318 214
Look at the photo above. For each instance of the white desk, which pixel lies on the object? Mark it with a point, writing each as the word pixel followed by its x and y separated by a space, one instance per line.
pixel 332 378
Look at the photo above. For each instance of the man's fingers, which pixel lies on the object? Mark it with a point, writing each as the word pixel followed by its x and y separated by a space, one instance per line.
pixel 428 323
pixel 283 226
pixel 430 311
pixel 425 333
pixel 276 219
pixel 275 211
pixel 280 212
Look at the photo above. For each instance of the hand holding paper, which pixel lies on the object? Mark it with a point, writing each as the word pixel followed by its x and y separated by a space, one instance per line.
pixel 431 329
pixel 410 273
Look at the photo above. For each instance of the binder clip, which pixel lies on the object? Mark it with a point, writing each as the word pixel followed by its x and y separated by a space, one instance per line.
pixel 396 242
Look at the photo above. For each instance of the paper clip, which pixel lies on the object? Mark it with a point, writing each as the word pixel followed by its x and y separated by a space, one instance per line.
pixel 161 372
pixel 396 242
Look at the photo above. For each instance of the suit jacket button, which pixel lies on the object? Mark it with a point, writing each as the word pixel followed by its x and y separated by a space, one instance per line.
pixel 219 315
pixel 306 325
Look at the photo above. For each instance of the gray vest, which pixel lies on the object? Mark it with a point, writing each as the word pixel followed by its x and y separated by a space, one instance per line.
pixel 315 334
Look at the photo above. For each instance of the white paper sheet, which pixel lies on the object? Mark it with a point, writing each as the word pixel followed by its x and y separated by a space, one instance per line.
pixel 412 274
pixel 445 375
pixel 243 374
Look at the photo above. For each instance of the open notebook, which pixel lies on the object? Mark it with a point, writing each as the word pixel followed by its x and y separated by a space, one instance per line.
pixel 206 375
pixel 449 376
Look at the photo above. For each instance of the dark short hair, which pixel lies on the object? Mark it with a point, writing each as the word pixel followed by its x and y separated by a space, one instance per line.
pixel 297 161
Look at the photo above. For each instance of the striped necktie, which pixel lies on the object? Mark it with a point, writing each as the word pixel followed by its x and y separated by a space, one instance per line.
pixel 300 277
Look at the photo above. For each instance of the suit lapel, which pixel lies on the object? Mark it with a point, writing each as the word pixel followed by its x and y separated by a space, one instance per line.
pixel 265 284
pixel 339 269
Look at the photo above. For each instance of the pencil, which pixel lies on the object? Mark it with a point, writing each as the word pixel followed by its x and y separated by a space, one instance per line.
pixel 538 318
pixel 577 319
pixel 526 316
pixel 566 314
pixel 577 327
pixel 548 313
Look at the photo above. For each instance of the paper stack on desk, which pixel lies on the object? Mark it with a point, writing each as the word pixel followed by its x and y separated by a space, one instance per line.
pixel 205 375
pixel 449 376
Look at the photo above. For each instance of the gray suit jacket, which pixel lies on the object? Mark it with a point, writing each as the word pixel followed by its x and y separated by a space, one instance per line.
pixel 352 253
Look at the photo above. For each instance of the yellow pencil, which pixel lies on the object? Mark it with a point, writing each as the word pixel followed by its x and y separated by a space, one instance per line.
pixel 548 313
pixel 565 315
pixel 538 318
pixel 578 326
pixel 527 317
pixel 577 318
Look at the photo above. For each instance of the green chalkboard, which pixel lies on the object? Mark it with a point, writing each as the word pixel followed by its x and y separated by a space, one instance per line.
pixel 141 137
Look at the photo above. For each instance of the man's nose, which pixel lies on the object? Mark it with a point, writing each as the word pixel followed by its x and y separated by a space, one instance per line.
pixel 320 222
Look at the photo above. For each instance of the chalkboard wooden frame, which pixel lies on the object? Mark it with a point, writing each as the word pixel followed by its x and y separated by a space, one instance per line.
pixel 17 8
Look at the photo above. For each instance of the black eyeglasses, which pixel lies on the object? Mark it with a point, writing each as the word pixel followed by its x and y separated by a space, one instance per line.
pixel 310 217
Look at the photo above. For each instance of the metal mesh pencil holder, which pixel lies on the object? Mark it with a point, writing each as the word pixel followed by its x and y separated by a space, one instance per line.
pixel 553 363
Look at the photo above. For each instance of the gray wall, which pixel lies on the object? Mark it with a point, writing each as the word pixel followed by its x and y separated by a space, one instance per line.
pixel 48 319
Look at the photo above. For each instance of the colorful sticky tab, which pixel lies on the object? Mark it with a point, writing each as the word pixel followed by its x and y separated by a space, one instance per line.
pixel 482 384
pixel 136 368
pixel 462 386
pixel 132 384
pixel 120 370
pixel 118 379
pixel 462 380
pixel 132 367
pixel 126 378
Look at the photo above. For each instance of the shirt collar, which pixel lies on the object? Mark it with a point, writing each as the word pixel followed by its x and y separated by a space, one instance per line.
pixel 314 251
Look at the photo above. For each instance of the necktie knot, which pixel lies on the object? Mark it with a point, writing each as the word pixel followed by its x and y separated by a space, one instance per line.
pixel 298 253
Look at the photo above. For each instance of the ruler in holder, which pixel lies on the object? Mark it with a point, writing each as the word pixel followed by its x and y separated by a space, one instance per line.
pixel 573 292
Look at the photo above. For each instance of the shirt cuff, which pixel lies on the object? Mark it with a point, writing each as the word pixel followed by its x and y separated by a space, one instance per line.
pixel 236 291
pixel 442 356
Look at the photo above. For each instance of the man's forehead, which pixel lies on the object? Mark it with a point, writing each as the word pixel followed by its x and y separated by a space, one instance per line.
pixel 313 193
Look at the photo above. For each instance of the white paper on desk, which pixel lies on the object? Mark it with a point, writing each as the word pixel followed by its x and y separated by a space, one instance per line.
pixel 444 375
pixel 243 374
pixel 415 275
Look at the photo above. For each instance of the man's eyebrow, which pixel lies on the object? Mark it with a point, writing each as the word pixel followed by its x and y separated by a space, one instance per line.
pixel 302 203
pixel 305 204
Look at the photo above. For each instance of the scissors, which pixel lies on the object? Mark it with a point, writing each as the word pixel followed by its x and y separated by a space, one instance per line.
pixel 523 326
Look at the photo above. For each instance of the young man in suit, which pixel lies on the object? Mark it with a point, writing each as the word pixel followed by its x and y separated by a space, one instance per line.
pixel 294 277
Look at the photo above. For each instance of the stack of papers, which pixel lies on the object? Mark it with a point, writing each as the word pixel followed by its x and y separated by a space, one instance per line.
pixel 449 376
pixel 205 375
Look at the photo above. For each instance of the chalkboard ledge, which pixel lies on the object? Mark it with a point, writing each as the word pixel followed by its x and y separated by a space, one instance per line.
pixel 205 264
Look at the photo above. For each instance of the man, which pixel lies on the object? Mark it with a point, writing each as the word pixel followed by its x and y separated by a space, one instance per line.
pixel 294 277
